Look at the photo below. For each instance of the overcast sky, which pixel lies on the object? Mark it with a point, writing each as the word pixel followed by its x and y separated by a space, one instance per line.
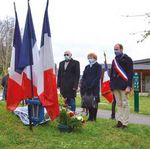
pixel 84 26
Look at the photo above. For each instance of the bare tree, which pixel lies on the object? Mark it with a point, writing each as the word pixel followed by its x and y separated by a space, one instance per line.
pixel 6 36
pixel 144 33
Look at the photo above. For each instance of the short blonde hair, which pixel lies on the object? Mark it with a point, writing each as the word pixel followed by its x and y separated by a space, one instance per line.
pixel 93 55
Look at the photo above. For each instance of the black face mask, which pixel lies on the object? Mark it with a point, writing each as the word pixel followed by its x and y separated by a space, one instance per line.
pixel 117 52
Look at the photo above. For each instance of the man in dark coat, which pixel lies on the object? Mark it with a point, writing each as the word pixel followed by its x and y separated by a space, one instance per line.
pixel 68 79
pixel 4 84
pixel 121 83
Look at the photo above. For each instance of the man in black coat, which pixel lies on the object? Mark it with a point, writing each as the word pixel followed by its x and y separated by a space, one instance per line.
pixel 4 84
pixel 121 83
pixel 68 79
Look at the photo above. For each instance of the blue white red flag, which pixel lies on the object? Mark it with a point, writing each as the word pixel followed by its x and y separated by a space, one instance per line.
pixel 15 92
pixel 29 56
pixel 47 89
pixel 105 90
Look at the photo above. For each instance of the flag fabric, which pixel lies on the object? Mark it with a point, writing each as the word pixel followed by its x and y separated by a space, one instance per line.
pixel 47 89
pixel 15 92
pixel 105 90
pixel 29 57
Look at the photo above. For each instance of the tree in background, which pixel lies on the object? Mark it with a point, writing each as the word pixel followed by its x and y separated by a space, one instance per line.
pixel 144 33
pixel 6 36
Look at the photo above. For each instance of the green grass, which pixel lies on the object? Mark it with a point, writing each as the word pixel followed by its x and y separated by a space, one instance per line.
pixel 99 135
pixel 144 104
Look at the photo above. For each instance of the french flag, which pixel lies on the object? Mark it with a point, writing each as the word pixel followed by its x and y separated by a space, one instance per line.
pixel 29 57
pixel 105 90
pixel 15 92
pixel 47 89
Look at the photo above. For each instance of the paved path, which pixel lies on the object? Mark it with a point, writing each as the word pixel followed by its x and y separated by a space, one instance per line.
pixel 1 95
pixel 134 118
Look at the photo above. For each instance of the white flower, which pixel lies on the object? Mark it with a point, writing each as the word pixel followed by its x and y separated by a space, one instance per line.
pixel 80 118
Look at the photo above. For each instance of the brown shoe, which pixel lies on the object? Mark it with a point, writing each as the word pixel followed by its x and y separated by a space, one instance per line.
pixel 119 125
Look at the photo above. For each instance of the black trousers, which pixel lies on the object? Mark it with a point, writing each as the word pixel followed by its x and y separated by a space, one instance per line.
pixel 113 108
pixel 92 114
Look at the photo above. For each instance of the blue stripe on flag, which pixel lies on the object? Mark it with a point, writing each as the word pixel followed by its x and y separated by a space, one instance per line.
pixel 46 26
pixel 17 42
pixel 106 67
pixel 29 39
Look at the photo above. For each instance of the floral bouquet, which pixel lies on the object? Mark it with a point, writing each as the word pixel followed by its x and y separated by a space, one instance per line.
pixel 69 120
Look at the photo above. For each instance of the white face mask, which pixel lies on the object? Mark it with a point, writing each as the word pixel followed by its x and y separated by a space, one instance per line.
pixel 67 58
pixel 91 60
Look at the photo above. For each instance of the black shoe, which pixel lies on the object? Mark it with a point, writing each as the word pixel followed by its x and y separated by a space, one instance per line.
pixel 94 119
pixel 124 126
pixel 90 120
pixel 113 118
pixel 119 125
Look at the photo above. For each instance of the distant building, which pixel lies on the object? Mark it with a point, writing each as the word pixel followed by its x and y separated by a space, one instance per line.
pixel 142 67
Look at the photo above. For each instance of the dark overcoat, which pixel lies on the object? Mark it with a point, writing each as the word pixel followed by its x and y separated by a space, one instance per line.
pixel 126 63
pixel 68 79
pixel 4 84
pixel 91 80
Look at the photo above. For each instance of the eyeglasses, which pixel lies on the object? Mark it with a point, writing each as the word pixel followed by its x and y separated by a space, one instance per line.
pixel 66 54
pixel 116 49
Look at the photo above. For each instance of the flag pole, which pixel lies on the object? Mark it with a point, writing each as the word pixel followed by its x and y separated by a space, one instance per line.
pixel 32 98
pixel 105 57
pixel 14 6
pixel 32 94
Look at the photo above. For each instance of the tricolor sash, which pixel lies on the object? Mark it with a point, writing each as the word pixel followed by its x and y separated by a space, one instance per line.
pixel 120 70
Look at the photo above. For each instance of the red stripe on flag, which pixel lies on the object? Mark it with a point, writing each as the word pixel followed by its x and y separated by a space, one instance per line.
pixel 49 97
pixel 27 87
pixel 14 95
pixel 106 91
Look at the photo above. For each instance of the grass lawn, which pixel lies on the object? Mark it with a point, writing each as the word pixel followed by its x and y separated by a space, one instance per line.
pixel 144 104
pixel 94 135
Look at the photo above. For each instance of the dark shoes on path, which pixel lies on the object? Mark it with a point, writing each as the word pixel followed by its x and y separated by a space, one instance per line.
pixel 120 125
pixel 113 118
